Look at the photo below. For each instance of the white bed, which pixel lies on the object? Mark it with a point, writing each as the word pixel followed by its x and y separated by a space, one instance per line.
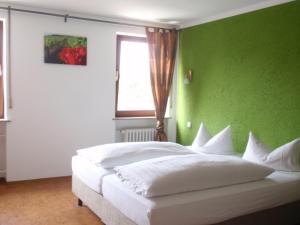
pixel 206 206
pixel 103 192
pixel 89 173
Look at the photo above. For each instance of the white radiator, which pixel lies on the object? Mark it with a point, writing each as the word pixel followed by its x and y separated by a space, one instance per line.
pixel 138 134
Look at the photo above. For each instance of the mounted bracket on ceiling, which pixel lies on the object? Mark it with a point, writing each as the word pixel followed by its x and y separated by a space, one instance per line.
pixel 66 17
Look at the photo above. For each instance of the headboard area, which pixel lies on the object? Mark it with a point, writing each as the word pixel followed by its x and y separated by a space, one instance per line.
pixel 246 73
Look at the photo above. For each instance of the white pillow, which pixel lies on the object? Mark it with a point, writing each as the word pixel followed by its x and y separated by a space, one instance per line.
pixel 175 174
pixel 220 144
pixel 256 151
pixel 117 154
pixel 202 136
pixel 285 157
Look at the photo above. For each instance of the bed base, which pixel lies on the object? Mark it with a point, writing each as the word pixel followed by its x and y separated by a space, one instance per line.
pixel 108 214
pixel 80 203
pixel 287 214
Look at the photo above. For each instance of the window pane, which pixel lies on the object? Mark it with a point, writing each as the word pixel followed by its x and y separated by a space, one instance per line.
pixel 134 82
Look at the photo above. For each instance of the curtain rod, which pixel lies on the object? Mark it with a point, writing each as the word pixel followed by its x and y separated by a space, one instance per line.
pixel 67 16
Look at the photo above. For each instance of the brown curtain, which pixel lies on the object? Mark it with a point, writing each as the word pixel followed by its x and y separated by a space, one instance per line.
pixel 162 50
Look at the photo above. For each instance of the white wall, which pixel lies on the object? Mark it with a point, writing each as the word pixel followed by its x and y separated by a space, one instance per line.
pixel 58 108
pixel 2 148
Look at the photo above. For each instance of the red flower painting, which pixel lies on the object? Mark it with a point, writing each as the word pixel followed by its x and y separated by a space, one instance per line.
pixel 74 56
pixel 61 49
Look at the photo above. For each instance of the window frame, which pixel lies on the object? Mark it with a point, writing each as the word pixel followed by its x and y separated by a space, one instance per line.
pixel 128 113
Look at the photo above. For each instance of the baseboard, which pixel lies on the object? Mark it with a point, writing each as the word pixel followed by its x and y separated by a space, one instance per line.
pixel 2 173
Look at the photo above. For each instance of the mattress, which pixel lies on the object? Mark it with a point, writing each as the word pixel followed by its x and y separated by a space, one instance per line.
pixel 89 173
pixel 206 206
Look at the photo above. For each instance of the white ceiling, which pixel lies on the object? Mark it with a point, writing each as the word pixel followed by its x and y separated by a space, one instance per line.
pixel 180 12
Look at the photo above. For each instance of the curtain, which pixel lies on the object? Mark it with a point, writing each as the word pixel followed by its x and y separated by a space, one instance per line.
pixel 162 50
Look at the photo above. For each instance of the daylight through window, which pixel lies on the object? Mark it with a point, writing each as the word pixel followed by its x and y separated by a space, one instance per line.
pixel 133 85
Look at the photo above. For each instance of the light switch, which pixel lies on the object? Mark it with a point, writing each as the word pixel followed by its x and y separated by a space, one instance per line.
pixel 189 124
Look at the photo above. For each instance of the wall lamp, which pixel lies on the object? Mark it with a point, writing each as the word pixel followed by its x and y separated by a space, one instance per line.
pixel 188 76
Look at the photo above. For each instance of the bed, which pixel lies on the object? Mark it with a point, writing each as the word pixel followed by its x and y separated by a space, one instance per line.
pixel 274 200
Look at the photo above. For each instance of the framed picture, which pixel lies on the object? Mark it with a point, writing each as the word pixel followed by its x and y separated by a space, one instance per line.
pixel 62 49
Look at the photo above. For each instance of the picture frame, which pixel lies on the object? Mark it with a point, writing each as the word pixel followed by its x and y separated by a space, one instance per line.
pixel 65 49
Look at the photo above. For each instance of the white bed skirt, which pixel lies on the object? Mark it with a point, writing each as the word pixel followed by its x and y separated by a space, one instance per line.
pixel 100 206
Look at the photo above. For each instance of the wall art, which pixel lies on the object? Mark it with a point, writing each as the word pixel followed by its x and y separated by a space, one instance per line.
pixel 62 49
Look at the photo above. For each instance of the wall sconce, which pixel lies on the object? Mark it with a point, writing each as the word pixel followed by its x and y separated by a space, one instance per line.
pixel 188 77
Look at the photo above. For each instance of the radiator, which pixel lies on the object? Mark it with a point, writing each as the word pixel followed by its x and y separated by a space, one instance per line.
pixel 138 134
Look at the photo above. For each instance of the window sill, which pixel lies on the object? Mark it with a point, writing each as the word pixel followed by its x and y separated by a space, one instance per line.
pixel 4 120
pixel 139 118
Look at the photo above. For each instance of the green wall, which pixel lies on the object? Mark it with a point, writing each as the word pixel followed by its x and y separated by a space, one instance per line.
pixel 246 72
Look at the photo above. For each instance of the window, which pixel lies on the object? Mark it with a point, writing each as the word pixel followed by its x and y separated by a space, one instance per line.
pixel 133 86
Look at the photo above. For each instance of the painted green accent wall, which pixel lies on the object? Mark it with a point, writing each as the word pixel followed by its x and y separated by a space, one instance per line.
pixel 246 72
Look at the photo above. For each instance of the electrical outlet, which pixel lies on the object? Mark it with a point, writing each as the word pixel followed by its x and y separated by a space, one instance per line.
pixel 189 124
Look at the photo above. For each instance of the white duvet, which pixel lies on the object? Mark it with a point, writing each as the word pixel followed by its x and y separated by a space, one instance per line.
pixel 175 174
pixel 117 154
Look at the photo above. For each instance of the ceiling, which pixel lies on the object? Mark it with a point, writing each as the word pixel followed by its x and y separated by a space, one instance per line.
pixel 179 12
